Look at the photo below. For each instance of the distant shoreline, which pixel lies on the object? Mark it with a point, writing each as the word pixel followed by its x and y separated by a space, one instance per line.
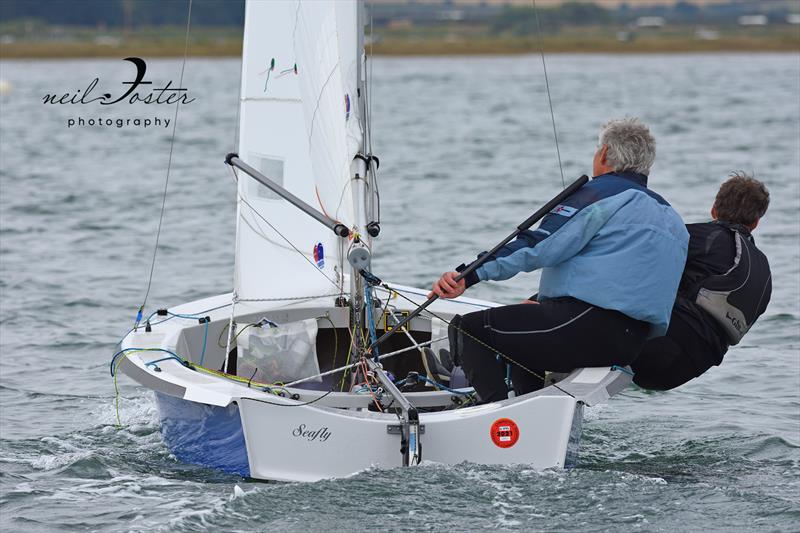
pixel 575 45
pixel 782 42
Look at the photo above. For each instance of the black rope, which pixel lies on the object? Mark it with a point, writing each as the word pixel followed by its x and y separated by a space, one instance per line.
pixel 290 404
pixel 249 381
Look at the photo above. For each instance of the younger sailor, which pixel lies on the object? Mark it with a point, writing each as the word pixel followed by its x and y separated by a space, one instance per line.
pixel 612 255
pixel 726 286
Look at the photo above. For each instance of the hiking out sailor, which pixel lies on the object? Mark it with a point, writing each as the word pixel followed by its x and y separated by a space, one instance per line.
pixel 611 257
pixel 726 285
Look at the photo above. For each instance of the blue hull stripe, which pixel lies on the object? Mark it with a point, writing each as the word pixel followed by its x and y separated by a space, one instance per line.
pixel 204 435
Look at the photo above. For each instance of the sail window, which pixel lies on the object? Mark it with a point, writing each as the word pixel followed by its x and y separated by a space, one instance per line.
pixel 272 168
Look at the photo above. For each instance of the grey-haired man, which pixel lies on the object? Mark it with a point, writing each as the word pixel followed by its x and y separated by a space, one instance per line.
pixel 611 257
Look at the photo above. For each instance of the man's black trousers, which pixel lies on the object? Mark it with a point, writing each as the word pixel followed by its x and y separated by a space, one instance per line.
pixel 670 361
pixel 558 335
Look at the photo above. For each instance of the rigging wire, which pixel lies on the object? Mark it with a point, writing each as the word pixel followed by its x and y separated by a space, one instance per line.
pixel 547 86
pixel 260 232
pixel 169 166
pixel 485 345
pixel 348 365
pixel 295 248
pixel 339 286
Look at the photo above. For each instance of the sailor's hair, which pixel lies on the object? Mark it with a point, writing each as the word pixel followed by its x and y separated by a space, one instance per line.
pixel 631 147
pixel 742 199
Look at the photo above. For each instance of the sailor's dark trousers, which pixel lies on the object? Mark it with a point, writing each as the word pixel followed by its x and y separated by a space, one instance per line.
pixel 670 361
pixel 558 335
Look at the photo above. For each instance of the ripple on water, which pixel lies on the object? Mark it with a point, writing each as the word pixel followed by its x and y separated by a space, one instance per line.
pixel 463 161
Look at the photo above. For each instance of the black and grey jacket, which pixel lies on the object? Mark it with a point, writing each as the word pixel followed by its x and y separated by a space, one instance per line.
pixel 726 284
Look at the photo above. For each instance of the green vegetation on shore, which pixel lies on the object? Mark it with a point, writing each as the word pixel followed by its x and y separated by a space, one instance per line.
pixel 594 40
pixel 441 40
pixel 49 50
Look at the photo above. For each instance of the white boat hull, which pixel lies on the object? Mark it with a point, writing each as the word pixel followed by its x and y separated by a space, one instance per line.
pixel 211 421
pixel 261 441
pixel 308 443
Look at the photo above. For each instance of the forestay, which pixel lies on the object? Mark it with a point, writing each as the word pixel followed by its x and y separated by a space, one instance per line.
pixel 299 126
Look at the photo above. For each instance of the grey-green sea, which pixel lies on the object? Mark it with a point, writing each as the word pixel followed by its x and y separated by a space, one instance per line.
pixel 467 152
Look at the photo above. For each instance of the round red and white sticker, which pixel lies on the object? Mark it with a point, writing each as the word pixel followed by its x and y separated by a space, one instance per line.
pixel 504 433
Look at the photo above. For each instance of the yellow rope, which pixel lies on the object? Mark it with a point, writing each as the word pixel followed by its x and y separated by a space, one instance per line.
pixel 116 388
pixel 238 379
pixel 349 353
pixel 271 387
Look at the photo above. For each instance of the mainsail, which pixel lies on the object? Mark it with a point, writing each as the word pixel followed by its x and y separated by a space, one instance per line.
pixel 326 40
pixel 299 126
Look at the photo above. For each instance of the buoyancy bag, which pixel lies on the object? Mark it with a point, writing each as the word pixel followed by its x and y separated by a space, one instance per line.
pixel 736 298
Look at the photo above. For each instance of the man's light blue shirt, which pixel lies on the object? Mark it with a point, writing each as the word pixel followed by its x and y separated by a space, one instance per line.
pixel 613 244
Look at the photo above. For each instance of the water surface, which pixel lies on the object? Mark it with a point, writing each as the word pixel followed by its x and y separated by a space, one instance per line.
pixel 467 153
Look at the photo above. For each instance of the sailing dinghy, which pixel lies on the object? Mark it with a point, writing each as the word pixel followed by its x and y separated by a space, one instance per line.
pixel 285 378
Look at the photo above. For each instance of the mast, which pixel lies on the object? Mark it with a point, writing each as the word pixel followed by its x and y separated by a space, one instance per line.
pixel 359 254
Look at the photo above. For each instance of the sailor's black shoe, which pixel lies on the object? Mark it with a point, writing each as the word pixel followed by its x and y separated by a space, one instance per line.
pixel 446 360
pixel 434 368
pixel 456 338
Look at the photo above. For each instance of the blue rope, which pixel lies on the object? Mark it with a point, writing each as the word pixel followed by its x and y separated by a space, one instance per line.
pixel 622 369
pixel 189 316
pixel 205 340
pixel 371 319
pixel 171 315
pixel 428 380
pixel 364 388
pixel 448 389
pixel 160 360
pixel 172 354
